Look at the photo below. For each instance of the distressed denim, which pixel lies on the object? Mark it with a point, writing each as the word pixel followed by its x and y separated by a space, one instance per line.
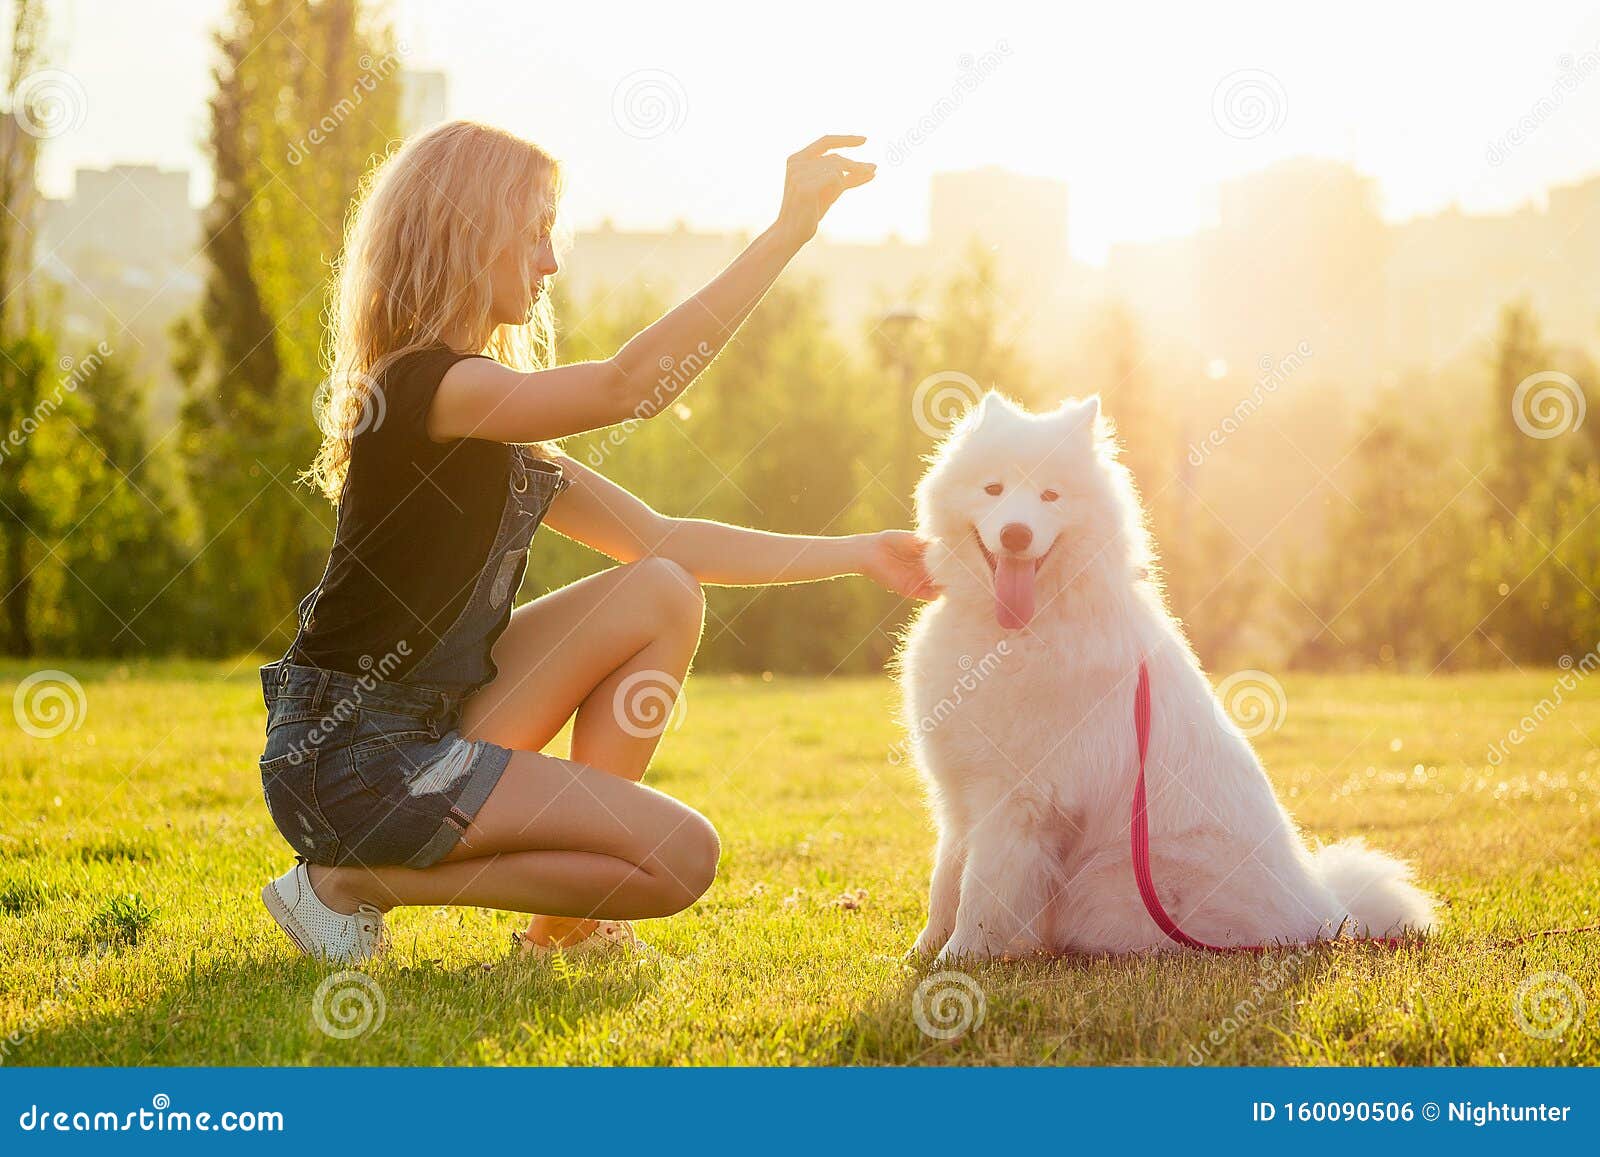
pixel 361 769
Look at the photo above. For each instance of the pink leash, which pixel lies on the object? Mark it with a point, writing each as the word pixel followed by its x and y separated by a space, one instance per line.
pixel 1140 837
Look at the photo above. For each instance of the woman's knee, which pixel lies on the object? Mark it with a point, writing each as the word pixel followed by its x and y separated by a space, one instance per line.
pixel 686 863
pixel 670 588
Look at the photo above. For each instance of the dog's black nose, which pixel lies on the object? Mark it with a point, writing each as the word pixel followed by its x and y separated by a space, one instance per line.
pixel 1015 536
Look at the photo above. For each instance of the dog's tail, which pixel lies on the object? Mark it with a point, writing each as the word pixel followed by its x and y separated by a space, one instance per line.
pixel 1375 890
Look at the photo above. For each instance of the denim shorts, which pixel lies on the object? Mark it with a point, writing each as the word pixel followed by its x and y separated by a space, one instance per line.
pixel 357 770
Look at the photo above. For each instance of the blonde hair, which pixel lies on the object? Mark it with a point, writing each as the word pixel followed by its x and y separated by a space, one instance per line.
pixel 426 223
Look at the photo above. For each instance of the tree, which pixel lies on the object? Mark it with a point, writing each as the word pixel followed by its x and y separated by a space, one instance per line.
pixel 23 409
pixel 1118 372
pixel 1398 579
pixel 305 102
pixel 781 432
pixel 54 486
pixel 134 530
pixel 1518 459
pixel 19 375
pixel 972 329
pixel 18 154
pixel 1543 569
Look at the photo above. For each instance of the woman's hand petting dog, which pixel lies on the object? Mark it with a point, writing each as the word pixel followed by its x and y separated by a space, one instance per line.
pixel 895 560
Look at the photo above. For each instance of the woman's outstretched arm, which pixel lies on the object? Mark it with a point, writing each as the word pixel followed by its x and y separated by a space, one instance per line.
pixel 600 514
pixel 480 398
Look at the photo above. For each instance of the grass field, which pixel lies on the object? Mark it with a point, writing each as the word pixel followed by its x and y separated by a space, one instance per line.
pixel 133 847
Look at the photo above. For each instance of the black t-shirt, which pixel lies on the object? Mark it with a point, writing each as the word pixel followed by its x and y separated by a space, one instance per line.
pixel 416 521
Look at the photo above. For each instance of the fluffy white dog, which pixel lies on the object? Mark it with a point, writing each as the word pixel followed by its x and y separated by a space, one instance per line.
pixel 1019 696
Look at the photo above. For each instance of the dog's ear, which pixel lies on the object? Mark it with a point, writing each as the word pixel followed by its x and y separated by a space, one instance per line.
pixel 982 414
pixel 994 407
pixel 1089 411
pixel 1082 417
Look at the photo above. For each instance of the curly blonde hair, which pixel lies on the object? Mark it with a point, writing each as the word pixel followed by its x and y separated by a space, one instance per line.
pixel 426 223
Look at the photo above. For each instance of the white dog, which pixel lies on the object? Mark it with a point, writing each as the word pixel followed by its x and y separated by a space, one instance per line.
pixel 1019 696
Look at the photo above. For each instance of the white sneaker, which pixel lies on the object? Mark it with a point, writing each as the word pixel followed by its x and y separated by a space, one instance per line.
pixel 609 936
pixel 317 929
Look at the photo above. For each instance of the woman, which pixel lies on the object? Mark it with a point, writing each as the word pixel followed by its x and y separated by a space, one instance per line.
pixel 405 722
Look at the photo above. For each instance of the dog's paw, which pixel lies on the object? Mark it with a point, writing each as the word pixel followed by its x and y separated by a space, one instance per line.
pixel 929 942
pixel 961 949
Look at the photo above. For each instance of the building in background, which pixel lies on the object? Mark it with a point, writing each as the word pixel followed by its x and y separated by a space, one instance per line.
pixel 123 255
pixel 128 217
pixel 1450 273
pixel 1299 254
pixel 1021 221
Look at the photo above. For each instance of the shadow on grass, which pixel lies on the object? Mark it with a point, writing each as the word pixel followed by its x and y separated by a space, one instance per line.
pixel 1168 1009
pixel 268 1010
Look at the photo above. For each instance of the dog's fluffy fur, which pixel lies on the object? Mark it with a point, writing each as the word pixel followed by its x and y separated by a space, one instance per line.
pixel 1021 716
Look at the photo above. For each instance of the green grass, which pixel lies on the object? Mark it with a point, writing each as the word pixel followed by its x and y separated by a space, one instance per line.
pixel 132 850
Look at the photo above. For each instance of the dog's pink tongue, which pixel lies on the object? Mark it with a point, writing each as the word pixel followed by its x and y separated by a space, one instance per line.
pixel 1013 591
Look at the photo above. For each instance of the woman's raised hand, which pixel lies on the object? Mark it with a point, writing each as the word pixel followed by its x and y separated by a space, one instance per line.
pixel 813 182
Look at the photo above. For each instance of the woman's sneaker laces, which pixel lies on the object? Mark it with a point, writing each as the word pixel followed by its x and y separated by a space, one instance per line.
pixel 316 929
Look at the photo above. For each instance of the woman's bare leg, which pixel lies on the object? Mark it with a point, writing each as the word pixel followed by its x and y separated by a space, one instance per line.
pixel 614 648
pixel 557 837
pixel 574 650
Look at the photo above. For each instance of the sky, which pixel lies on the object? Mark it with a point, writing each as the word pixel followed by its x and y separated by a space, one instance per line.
pixel 685 111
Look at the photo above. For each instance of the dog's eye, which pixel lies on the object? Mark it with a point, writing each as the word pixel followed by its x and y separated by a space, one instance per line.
pixel 993 488
pixel 1049 496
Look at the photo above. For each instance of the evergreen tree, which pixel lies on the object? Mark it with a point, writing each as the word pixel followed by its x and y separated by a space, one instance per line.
pixel 18 155
pixel 1397 581
pixel 1518 459
pixel 973 330
pixel 19 379
pixel 306 100
pixel 54 481
pixel 129 546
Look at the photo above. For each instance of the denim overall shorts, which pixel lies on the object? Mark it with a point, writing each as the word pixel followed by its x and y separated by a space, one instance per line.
pixel 361 769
